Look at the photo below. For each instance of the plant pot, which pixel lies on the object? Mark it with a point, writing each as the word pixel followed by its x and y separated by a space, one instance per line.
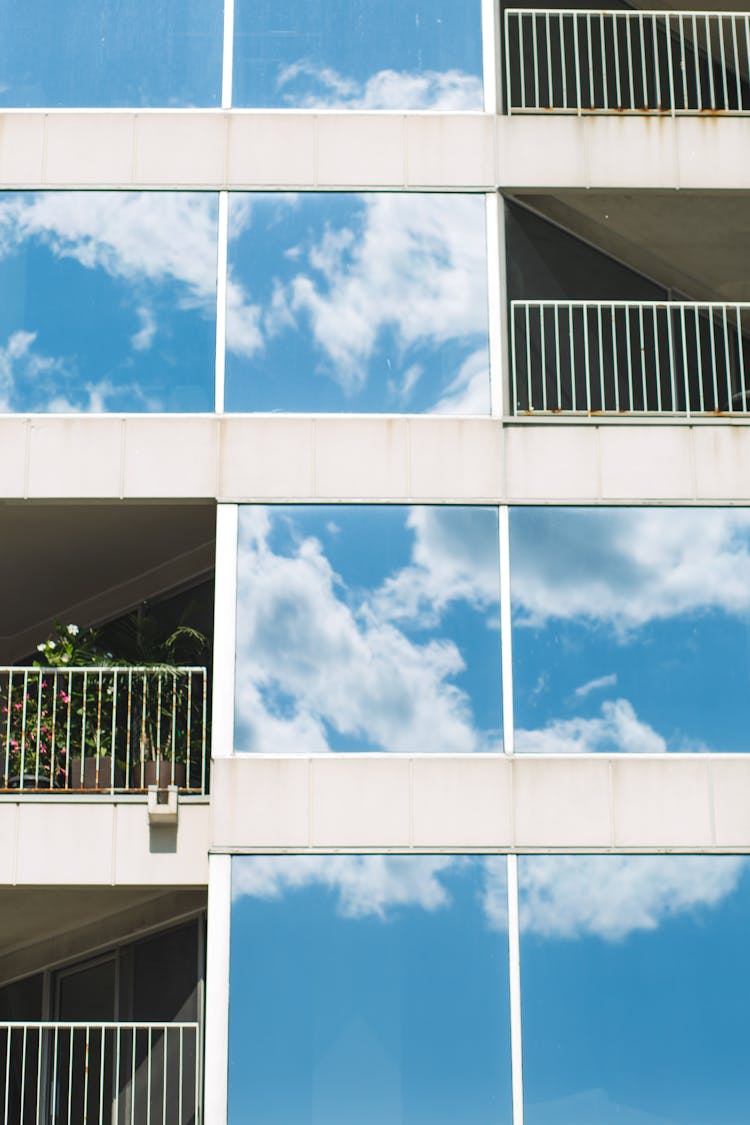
pixel 160 774
pixel 30 782
pixel 89 779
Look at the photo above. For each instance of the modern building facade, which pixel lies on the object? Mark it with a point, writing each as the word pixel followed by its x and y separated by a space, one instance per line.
pixel 374 382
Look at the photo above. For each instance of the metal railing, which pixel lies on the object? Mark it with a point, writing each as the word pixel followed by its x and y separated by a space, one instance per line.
pixel 100 1074
pixel 585 61
pixel 103 728
pixel 630 357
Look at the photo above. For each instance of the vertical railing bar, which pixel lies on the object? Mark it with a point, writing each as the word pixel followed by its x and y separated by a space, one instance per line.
pixel 685 364
pixel 657 352
pixel 513 364
pixel 148 1078
pixel 672 371
pixel 615 364
pixel 99 726
pixel 70 1076
pixel 86 1075
pixel 577 63
pixel 53 1091
pixel 132 1075
pixel 527 317
pixel 189 731
pixel 737 64
pixel 113 736
pixel 143 729
pixel 39 1033
pixel 535 49
pixel 629 356
pixel 604 61
pixel 164 1078
pixel 118 1051
pixel 23 728
pixel 204 725
pixel 644 67
pixel 83 725
pixel 642 330
pixel 571 333
pixel 741 359
pixel 197 1068
pixel 68 743
pixel 670 65
pixel 23 1072
pixel 506 59
pixel 715 373
pixel 683 60
pixel 158 715
pixel 53 746
pixel 521 62
pixel 37 764
pixel 746 20
pixel 657 69
pixel 129 764
pixel 727 362
pixel 556 314
pixel 699 352
pixel 631 74
pixel 563 61
pixel 709 56
pixel 590 53
pixel 696 64
pixel 543 352
pixel 616 41
pixel 6 774
pixel 548 33
pixel 586 357
pixel 600 329
pixel 174 726
pixel 723 57
pixel 102 1032
pixel 181 1065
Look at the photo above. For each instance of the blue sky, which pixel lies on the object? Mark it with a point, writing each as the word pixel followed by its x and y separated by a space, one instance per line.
pixel 366 54
pixel 635 989
pixel 369 988
pixel 357 302
pixel 631 629
pixel 109 301
pixel 110 52
pixel 368 628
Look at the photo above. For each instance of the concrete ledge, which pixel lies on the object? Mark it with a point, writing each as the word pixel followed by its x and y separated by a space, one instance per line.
pixel 53 841
pixel 682 803
pixel 260 149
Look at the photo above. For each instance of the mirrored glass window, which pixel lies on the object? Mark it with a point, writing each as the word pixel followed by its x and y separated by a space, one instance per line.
pixel 110 52
pixel 368 629
pixel 358 54
pixel 108 301
pixel 369 989
pixel 635 989
pixel 630 629
pixel 342 302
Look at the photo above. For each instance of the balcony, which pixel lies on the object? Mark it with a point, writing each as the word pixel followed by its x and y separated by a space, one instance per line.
pixel 100 1073
pixel 627 62
pixel 630 357
pixel 107 729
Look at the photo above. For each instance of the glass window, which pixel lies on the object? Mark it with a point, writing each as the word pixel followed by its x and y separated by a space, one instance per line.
pixel 368 628
pixel 342 302
pixel 630 629
pixel 369 988
pixel 108 301
pixel 110 52
pixel 358 54
pixel 635 989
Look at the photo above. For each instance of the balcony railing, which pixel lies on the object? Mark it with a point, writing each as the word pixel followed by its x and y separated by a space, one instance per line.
pixel 100 1074
pixel 627 357
pixel 103 728
pixel 584 61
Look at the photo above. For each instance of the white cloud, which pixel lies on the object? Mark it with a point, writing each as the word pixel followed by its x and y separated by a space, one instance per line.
pixel 625 567
pixel 617 730
pixel 598 684
pixel 469 393
pixel 455 557
pixel 387 89
pixel 144 337
pixel 612 896
pixel 417 266
pixel 311 654
pixel 364 885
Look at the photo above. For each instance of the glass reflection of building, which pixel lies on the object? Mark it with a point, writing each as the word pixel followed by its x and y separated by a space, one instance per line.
pixel 370 389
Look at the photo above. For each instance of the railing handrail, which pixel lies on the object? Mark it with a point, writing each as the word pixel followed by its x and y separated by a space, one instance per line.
pixel 106 1025
pixel 63 670
pixel 630 13
pixel 618 304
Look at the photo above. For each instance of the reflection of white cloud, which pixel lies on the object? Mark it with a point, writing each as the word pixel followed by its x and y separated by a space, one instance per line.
pixel 469 393
pixel 592 1107
pixel 617 730
pixel 598 684
pixel 628 566
pixel 417 266
pixel 154 237
pixel 455 558
pixel 364 885
pixel 611 896
pixel 387 89
pixel 310 654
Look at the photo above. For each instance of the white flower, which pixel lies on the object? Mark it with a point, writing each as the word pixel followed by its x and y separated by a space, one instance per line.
pixel 51 644
pixel 73 630
pixel 65 658
pixel 41 648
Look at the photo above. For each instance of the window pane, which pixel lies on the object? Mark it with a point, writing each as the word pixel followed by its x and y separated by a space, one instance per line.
pixel 369 989
pixel 108 301
pixel 635 989
pixel 110 52
pixel 358 54
pixel 342 302
pixel 368 628
pixel 630 629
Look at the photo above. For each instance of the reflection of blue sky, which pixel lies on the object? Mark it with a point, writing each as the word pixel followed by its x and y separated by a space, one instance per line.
pixel 630 629
pixel 365 54
pixel 108 301
pixel 634 989
pixel 342 302
pixel 368 628
pixel 110 52
pixel 368 989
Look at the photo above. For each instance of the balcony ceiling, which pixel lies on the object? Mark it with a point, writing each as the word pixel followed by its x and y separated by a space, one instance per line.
pixel 85 563
pixel 695 242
